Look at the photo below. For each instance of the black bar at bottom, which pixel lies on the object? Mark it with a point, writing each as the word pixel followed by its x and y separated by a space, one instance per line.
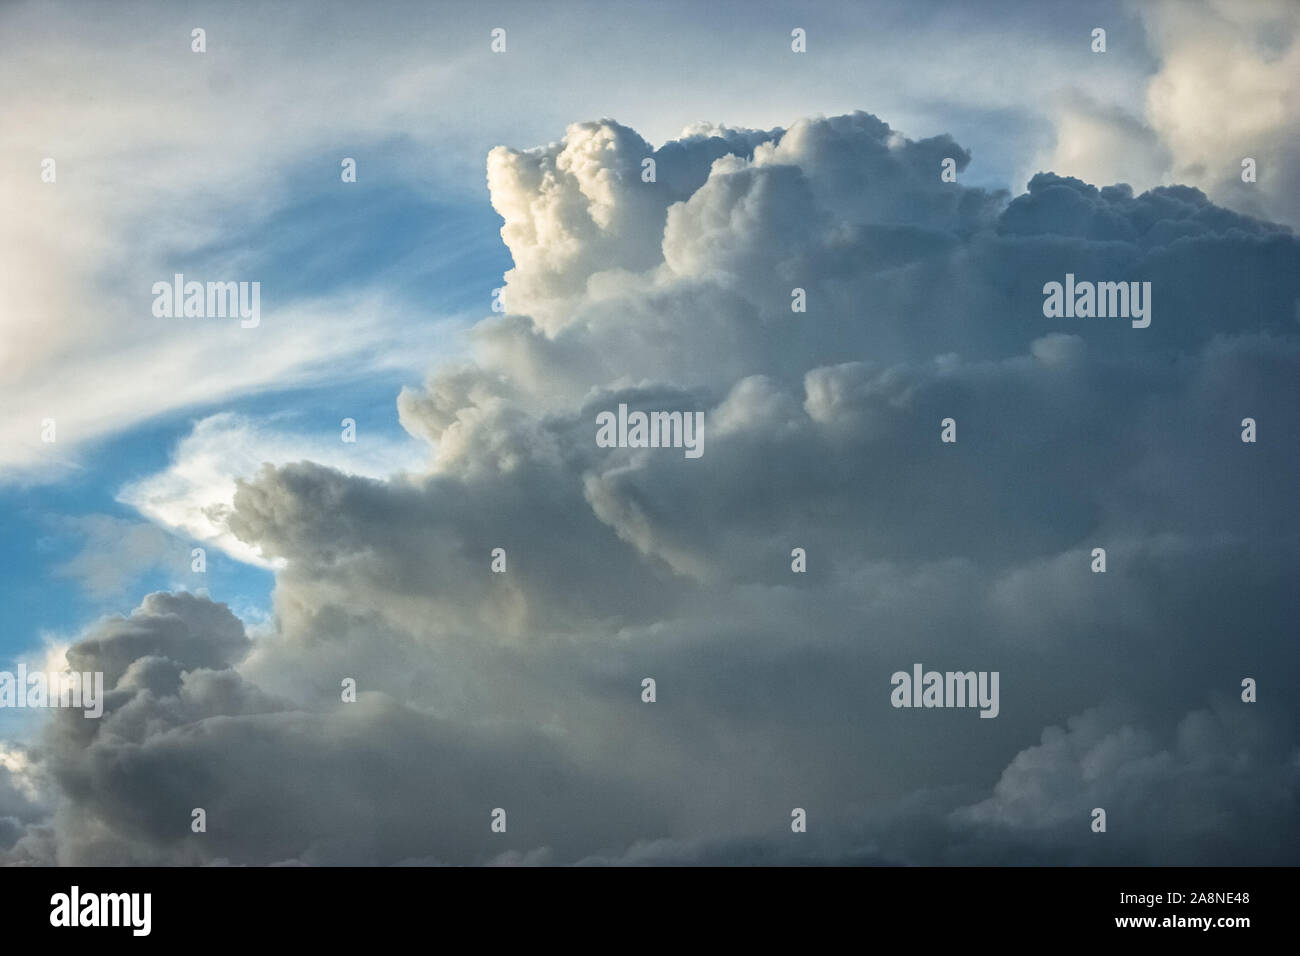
pixel 672 906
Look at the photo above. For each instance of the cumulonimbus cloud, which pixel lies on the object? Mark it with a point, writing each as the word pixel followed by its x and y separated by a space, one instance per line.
pixel 521 690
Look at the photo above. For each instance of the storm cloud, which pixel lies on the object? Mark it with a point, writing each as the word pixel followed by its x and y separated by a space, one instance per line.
pixel 522 690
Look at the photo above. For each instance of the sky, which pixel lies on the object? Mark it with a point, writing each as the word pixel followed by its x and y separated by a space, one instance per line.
pixel 499 274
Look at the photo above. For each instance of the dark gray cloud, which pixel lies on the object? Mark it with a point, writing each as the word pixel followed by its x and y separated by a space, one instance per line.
pixel 521 690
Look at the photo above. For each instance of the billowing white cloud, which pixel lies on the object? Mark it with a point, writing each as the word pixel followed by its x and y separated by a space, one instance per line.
pixel 1191 123
pixel 139 197
pixel 522 689
pixel 194 494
